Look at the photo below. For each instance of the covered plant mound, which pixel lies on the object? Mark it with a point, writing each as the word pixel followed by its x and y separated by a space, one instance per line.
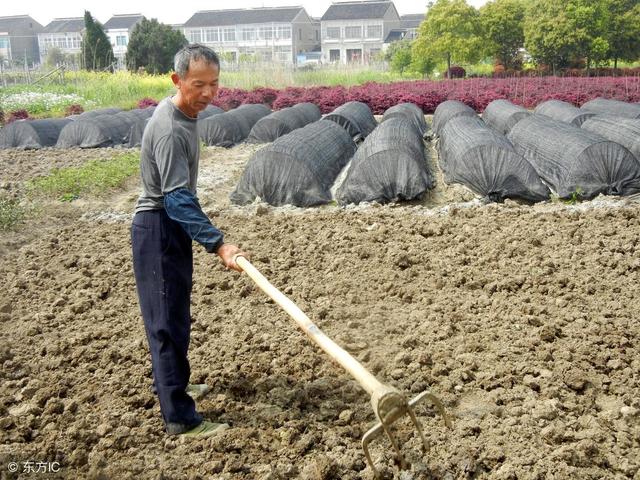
pixel 563 112
pixel 411 112
pixel 97 131
pixel 281 122
pixel 32 134
pixel 356 118
pixel 603 106
pixel 502 115
pixel 232 127
pixel 573 161
pixel 480 158
pixel 448 110
pixel 298 168
pixel 389 166
pixel 625 131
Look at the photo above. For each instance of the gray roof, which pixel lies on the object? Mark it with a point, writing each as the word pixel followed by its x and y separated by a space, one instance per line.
pixel 395 35
pixel 411 21
pixel 216 18
pixel 123 21
pixel 357 10
pixel 18 23
pixel 64 25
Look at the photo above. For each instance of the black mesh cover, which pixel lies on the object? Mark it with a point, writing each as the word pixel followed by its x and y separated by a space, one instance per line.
pixel 603 106
pixel 355 117
pixel 502 115
pixel 574 161
pixel 563 112
pixel 411 112
pixel 32 134
pixel 448 110
pixel 390 165
pixel 298 168
pixel 479 157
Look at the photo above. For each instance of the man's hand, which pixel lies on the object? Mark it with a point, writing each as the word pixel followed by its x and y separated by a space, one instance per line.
pixel 227 252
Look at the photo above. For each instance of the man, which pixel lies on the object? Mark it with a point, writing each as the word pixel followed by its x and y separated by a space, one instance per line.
pixel 168 217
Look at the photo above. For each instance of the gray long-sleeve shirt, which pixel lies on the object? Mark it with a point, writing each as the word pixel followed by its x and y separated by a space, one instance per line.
pixel 169 155
pixel 169 171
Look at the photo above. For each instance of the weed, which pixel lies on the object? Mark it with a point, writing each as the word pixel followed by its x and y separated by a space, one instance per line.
pixel 11 213
pixel 94 178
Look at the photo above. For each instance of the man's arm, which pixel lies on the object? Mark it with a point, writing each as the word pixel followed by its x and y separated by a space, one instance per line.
pixel 183 207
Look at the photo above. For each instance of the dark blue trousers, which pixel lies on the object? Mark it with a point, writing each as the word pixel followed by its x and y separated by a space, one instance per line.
pixel 163 267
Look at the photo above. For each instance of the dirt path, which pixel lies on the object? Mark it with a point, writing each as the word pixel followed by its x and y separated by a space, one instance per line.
pixel 522 319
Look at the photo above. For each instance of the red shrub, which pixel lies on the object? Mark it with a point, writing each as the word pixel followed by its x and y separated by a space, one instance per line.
pixel 147 102
pixel 18 115
pixel 73 109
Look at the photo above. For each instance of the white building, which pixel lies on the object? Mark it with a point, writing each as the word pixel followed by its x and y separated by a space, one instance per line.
pixel 265 34
pixel 118 28
pixel 354 32
pixel 65 34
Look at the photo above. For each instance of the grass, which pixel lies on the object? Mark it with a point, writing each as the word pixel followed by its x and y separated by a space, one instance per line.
pixel 11 213
pixel 93 178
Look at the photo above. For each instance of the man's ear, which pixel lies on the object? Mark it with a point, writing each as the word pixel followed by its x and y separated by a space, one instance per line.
pixel 175 78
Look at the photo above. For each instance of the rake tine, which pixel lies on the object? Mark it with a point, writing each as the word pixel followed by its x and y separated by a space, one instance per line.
pixel 418 425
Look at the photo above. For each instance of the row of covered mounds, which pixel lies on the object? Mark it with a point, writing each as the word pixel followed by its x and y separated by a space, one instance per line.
pixel 391 163
pixel 284 121
pixel 481 158
pixel 107 129
pixel 298 168
pixel 569 160
pixel 574 161
pixel 230 128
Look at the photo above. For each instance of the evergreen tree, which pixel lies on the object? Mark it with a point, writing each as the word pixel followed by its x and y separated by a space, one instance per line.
pixel 152 46
pixel 97 53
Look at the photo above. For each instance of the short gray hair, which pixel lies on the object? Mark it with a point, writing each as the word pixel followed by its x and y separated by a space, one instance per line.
pixel 194 52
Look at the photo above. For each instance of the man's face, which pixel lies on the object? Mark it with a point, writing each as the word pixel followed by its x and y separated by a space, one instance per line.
pixel 197 88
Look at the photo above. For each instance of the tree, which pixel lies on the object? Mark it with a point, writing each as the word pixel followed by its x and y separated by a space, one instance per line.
pixel 399 55
pixel 623 30
pixel 96 47
pixel 503 27
pixel 548 33
pixel 152 46
pixel 54 57
pixel 450 30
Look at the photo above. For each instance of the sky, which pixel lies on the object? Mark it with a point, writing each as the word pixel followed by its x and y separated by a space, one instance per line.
pixel 167 12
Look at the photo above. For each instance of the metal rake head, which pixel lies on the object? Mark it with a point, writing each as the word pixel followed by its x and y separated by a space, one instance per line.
pixel 390 405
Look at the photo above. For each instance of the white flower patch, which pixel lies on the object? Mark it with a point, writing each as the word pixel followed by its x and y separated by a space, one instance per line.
pixel 40 101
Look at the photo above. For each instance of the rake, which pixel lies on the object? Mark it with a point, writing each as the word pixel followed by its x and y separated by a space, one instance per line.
pixel 389 404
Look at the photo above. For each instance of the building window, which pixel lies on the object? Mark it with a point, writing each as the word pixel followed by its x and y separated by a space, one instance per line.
pixel 121 40
pixel 4 42
pixel 334 55
pixel 248 34
pixel 211 35
pixel 317 35
pixel 299 34
pixel 284 33
pixel 265 33
pixel 352 32
pixel 333 32
pixel 229 35
pixel 195 36
pixel 354 55
pixel 374 31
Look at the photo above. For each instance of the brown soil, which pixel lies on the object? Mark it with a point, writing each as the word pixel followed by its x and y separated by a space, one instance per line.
pixel 521 319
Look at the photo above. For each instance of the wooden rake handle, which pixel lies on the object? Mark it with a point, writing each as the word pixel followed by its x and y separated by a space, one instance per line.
pixel 346 361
